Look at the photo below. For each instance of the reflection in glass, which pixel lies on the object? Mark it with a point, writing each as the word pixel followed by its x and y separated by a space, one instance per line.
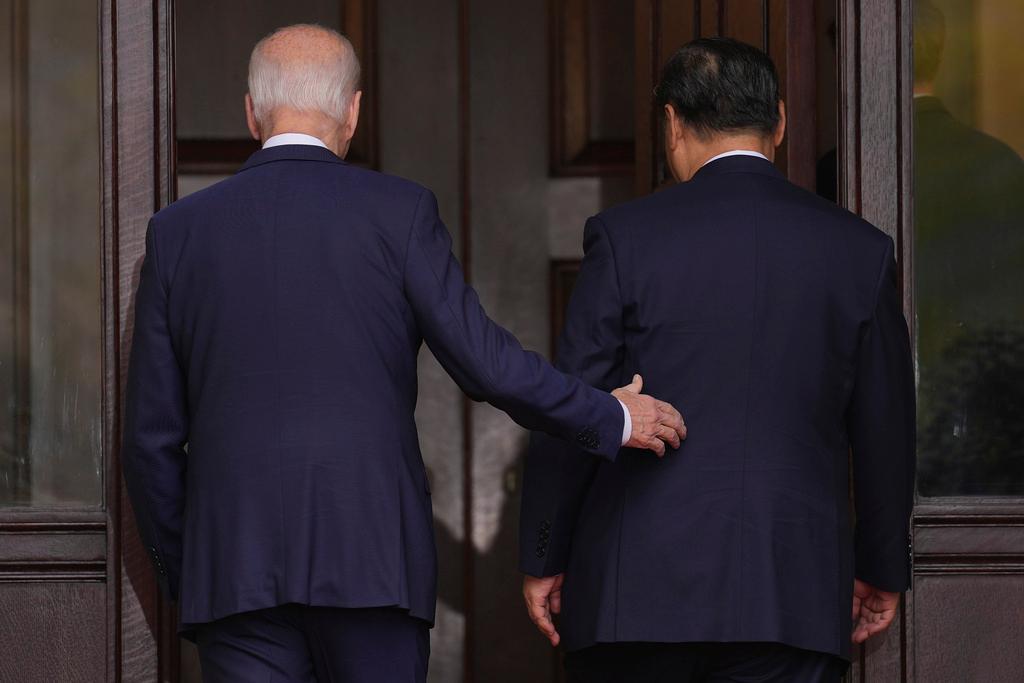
pixel 969 248
pixel 50 450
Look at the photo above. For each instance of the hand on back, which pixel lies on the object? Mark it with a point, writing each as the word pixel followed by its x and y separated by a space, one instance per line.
pixel 655 423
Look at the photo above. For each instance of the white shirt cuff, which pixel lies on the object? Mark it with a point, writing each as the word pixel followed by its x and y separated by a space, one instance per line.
pixel 627 423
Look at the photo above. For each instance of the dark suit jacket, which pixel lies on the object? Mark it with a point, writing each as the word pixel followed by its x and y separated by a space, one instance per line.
pixel 771 319
pixel 270 449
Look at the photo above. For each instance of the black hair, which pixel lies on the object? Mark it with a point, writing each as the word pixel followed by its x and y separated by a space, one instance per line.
pixel 721 85
pixel 929 40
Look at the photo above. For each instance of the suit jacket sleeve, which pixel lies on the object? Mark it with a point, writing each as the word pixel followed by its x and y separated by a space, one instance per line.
pixel 485 360
pixel 881 426
pixel 557 474
pixel 156 426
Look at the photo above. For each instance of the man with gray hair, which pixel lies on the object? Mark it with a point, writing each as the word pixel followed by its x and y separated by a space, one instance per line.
pixel 270 446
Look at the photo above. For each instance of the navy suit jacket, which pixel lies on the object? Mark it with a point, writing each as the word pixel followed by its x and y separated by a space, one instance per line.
pixel 771 318
pixel 270 449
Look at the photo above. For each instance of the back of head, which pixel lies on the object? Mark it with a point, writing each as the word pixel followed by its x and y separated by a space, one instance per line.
pixel 720 85
pixel 304 68
pixel 929 41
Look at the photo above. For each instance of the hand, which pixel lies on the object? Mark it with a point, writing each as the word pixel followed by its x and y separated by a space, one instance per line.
pixel 655 423
pixel 873 610
pixel 543 598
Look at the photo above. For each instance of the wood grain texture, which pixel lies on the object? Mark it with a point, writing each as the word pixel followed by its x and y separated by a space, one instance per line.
pixel 645 63
pixel 111 337
pixel 800 93
pixel 966 628
pixel 52 632
pixel 142 183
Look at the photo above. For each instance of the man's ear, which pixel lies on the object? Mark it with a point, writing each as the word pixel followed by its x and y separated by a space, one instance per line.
pixel 250 118
pixel 352 121
pixel 780 130
pixel 673 128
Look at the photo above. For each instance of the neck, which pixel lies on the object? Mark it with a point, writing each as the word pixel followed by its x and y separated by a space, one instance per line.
pixel 326 130
pixel 702 151
pixel 748 143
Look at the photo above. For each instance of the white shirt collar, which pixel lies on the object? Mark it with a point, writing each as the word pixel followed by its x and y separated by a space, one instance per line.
pixel 293 139
pixel 734 153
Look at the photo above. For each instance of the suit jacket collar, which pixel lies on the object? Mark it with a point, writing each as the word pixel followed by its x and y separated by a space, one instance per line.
pixel 738 164
pixel 291 153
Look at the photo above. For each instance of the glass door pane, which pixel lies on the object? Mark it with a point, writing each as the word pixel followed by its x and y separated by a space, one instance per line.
pixel 50 329
pixel 969 245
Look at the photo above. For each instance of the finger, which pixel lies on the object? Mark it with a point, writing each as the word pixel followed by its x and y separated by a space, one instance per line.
pixel 875 628
pixel 539 616
pixel 861 632
pixel 672 419
pixel 856 607
pixel 556 602
pixel 537 607
pixel 668 435
pixel 657 446
pixel 668 409
pixel 636 385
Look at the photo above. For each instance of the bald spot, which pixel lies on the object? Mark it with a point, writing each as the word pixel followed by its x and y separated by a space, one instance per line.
pixel 303 44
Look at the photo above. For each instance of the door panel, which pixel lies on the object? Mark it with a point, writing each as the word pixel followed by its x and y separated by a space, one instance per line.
pixel 61 638
pixel 964 624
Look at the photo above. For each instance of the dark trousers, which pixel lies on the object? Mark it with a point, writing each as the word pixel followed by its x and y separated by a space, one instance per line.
pixel 701 663
pixel 301 644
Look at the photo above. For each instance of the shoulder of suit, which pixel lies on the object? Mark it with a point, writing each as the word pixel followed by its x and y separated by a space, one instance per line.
pixel 373 185
pixel 673 199
pixel 397 186
pixel 619 216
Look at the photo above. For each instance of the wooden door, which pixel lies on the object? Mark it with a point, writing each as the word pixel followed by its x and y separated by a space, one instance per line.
pixel 83 133
pixel 962 619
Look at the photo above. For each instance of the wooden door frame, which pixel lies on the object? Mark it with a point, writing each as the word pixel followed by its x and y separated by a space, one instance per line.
pixel 138 152
pixel 874 55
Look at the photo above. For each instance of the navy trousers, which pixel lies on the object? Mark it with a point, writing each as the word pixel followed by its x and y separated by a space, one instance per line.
pixel 302 644
pixel 701 663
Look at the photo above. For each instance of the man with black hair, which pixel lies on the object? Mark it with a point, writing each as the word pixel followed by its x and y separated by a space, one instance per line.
pixel 771 317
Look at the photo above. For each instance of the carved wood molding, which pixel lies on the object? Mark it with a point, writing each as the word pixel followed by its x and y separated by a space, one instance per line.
pixel 574 152
pixel 934 564
pixel 43 545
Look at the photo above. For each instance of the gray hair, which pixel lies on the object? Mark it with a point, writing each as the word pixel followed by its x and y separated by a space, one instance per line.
pixel 325 83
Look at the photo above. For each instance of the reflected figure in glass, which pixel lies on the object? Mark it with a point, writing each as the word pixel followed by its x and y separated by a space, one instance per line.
pixel 969 250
